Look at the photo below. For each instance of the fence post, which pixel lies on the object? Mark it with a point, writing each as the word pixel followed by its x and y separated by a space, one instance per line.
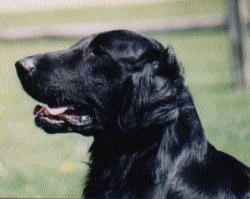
pixel 237 13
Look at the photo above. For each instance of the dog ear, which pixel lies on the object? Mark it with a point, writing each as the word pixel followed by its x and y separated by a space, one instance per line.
pixel 168 64
pixel 149 97
pixel 146 103
pixel 127 116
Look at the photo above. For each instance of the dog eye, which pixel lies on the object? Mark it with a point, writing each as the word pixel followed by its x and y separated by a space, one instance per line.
pixel 72 56
pixel 98 51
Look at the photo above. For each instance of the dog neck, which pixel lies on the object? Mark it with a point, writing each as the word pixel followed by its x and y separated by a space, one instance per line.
pixel 182 143
pixel 120 164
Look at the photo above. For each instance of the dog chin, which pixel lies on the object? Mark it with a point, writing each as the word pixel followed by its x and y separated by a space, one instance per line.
pixel 53 126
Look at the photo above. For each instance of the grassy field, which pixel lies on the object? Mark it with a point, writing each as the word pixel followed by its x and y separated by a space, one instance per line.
pixel 34 164
pixel 154 10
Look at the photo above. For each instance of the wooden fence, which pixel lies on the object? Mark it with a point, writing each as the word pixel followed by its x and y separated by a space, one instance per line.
pixel 82 29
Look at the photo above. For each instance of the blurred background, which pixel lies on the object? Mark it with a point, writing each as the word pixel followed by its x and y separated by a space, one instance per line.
pixel 204 34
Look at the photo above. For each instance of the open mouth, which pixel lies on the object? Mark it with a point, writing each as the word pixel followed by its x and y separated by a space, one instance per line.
pixel 62 116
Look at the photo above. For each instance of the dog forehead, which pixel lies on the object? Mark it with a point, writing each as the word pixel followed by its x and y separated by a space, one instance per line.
pixel 121 40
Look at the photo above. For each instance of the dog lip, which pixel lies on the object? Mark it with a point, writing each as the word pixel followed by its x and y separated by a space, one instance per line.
pixel 83 120
pixel 52 121
pixel 62 115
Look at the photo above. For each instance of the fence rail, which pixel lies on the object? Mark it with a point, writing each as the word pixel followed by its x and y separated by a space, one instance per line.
pixel 83 29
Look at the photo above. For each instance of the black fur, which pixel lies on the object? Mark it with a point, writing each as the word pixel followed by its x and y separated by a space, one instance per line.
pixel 128 92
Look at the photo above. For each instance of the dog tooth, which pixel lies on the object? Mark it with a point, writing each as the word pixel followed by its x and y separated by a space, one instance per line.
pixel 84 118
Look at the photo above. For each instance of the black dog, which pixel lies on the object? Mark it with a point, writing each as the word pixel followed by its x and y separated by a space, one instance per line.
pixel 127 91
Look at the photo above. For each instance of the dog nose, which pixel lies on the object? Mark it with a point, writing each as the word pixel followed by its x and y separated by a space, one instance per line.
pixel 26 65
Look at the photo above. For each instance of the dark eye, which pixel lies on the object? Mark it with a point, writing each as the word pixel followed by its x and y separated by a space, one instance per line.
pixel 73 56
pixel 99 50
pixel 110 70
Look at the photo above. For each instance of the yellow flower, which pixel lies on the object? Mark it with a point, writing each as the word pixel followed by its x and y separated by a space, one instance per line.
pixel 67 167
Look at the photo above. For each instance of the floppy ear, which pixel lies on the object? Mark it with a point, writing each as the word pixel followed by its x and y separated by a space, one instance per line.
pixel 147 102
pixel 151 93
pixel 168 64
pixel 129 112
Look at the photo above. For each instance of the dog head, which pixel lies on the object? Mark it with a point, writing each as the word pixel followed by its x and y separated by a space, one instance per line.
pixel 113 81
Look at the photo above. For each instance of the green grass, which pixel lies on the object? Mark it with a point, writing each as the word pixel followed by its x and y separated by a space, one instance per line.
pixel 154 10
pixel 34 164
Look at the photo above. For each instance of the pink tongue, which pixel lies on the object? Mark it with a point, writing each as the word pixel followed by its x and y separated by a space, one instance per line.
pixel 52 111
pixel 56 111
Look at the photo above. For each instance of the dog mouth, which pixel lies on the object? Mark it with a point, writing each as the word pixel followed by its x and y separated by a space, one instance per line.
pixel 62 116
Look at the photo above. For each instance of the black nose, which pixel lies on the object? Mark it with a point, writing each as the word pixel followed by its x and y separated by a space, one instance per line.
pixel 26 65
